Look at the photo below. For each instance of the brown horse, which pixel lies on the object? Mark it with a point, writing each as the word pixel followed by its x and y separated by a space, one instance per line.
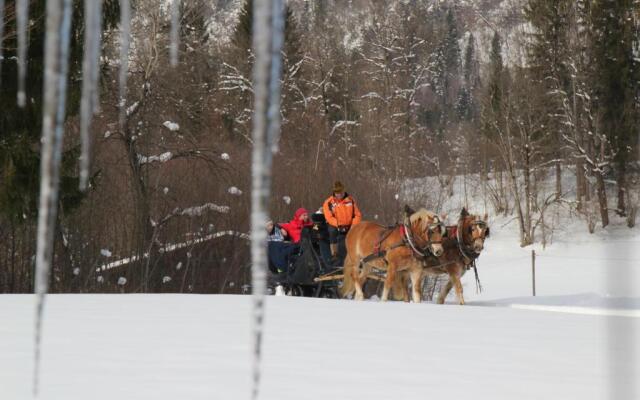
pixel 462 247
pixel 393 249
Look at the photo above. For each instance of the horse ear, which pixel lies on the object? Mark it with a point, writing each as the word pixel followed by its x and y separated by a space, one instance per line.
pixel 443 217
pixel 407 214
pixel 408 210
pixel 464 212
pixel 486 217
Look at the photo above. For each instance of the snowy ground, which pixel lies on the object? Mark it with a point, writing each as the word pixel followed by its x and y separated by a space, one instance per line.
pixel 197 347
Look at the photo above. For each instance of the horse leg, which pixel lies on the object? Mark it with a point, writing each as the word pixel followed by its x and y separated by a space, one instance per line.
pixel 445 291
pixel 458 286
pixel 388 282
pixel 356 274
pixel 416 284
pixel 399 289
pixel 404 284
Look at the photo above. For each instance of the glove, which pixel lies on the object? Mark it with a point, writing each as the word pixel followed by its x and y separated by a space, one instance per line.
pixel 343 228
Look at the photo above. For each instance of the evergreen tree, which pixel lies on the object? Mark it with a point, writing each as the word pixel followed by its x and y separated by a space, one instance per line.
pixel 496 76
pixel 615 80
pixel 446 73
pixel 447 60
pixel 549 64
pixel 466 102
pixel 240 58
pixel 451 48
pixel 20 128
pixel 242 36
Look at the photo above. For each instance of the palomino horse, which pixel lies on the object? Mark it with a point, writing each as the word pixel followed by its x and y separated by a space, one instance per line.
pixel 394 249
pixel 462 247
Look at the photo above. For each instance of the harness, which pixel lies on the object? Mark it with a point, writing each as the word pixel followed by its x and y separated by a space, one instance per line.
pixel 377 253
pixel 407 240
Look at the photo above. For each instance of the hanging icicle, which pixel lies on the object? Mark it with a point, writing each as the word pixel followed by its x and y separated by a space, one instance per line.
pixel 22 21
pixel 90 76
pixel 58 28
pixel 175 28
pixel 1 36
pixel 267 44
pixel 125 30
pixel 277 41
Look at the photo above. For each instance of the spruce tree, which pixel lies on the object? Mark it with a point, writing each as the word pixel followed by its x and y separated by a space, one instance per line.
pixel 466 99
pixel 20 128
pixel 242 36
pixel 549 64
pixel 615 80
pixel 496 76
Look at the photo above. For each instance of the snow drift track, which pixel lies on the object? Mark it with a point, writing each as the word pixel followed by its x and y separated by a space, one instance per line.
pixel 581 310
pixel 198 347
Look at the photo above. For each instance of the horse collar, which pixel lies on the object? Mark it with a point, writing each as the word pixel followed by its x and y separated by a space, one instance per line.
pixel 407 235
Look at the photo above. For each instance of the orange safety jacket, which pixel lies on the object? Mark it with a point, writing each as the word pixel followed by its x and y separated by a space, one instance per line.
pixel 343 212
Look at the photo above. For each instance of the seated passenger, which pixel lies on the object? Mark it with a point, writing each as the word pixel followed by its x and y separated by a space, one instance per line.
pixel 294 227
pixel 275 233
pixel 279 252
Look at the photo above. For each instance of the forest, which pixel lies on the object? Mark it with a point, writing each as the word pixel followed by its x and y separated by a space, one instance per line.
pixel 509 95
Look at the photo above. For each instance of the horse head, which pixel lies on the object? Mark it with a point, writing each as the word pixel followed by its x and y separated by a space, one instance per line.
pixel 428 229
pixel 473 230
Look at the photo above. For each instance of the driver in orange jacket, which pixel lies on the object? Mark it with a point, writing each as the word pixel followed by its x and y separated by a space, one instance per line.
pixel 341 212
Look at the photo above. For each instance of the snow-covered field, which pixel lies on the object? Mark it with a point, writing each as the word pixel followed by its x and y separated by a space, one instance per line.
pixel 576 340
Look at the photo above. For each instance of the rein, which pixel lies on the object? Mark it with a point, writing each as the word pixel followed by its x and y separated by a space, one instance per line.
pixel 478 284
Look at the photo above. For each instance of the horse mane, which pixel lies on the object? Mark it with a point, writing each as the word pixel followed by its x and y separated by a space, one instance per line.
pixel 426 218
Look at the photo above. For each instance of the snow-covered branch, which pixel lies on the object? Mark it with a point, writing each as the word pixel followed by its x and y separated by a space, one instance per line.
pixel 171 247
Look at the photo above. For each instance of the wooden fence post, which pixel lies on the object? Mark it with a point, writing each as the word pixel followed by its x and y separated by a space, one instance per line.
pixel 533 271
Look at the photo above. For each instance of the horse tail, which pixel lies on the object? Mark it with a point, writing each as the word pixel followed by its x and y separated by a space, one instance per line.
pixel 348 285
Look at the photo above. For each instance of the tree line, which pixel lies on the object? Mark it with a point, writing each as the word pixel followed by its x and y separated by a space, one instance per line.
pixel 373 94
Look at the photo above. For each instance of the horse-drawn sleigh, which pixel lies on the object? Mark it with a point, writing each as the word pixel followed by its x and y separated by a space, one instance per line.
pixel 418 247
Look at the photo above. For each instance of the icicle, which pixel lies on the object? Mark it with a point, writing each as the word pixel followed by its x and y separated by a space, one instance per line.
pixel 1 36
pixel 22 21
pixel 90 75
pixel 96 38
pixel 125 29
pixel 55 86
pixel 277 41
pixel 266 125
pixel 175 25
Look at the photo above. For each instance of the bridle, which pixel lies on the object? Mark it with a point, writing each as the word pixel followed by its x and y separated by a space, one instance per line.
pixel 468 252
pixel 426 250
